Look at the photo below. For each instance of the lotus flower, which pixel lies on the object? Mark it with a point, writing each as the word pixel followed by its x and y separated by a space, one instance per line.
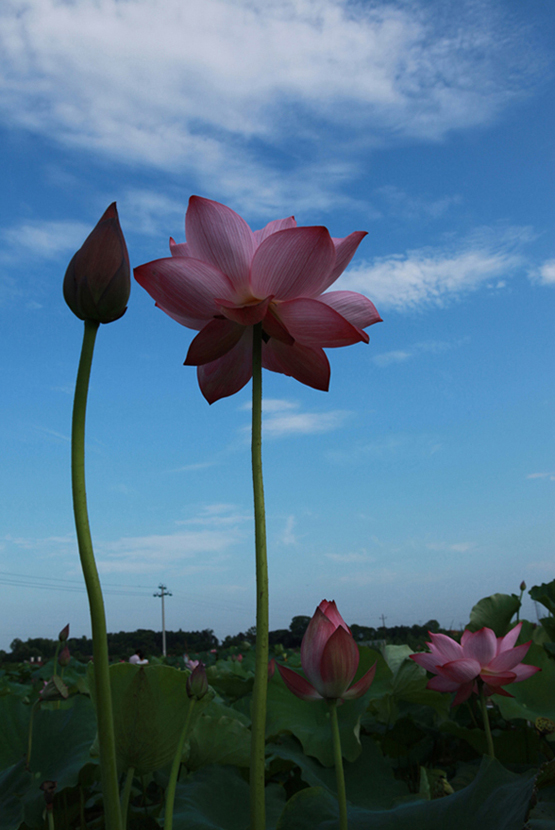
pixel 480 655
pixel 329 657
pixel 97 280
pixel 227 278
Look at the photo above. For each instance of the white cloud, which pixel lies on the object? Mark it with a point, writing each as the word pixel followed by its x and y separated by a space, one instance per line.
pixel 208 87
pixel 303 423
pixel 545 274
pixel 435 276
pixel 43 239
pixel 549 476
pixel 288 536
pixel 404 205
pixel 401 355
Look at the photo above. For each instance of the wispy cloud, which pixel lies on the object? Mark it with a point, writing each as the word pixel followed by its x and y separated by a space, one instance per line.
pixel 547 476
pixel 427 347
pixel 436 276
pixel 403 205
pixel 282 417
pixel 288 536
pixel 43 239
pixel 235 78
pixel 397 446
pixel 217 515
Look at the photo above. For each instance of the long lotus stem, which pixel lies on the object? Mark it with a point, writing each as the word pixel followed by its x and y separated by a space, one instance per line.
pixel 106 739
pixel 125 795
pixel 174 774
pixel 30 736
pixel 338 761
pixel 258 739
pixel 485 718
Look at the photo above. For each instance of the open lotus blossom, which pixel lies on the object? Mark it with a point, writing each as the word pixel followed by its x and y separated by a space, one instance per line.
pixel 495 660
pixel 227 278
pixel 329 657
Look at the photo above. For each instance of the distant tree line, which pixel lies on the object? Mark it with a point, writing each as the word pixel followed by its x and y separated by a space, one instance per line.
pixel 123 644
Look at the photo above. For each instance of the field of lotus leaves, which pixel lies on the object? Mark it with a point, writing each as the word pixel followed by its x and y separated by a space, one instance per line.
pixel 412 760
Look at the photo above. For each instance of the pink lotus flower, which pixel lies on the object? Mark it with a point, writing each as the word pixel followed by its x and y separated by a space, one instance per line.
pixel 226 278
pixel 480 655
pixel 329 657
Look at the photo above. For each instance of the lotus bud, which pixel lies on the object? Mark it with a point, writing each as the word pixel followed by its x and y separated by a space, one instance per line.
pixel 523 585
pixel 197 682
pixel 271 668
pixel 64 657
pixel 97 281
pixel 64 634
pixel 55 689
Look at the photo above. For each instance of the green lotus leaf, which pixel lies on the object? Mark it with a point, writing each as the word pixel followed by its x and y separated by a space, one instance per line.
pixel 495 612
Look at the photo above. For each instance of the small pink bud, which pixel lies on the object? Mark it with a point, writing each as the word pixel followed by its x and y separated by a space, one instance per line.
pixel 64 657
pixel 239 658
pixel 271 668
pixel 197 682
pixel 97 281
pixel 64 634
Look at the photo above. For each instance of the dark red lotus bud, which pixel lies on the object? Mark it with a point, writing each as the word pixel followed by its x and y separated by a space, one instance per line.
pixel 64 634
pixel 97 281
pixel 64 657
pixel 197 682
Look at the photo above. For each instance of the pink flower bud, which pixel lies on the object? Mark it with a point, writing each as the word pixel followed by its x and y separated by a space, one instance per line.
pixel 197 682
pixel 329 657
pixel 523 585
pixel 271 668
pixel 64 634
pixel 97 281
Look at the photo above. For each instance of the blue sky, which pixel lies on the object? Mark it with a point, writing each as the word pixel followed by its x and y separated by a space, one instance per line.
pixel 424 479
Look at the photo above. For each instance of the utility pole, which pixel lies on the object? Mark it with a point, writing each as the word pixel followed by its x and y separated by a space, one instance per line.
pixel 383 619
pixel 163 593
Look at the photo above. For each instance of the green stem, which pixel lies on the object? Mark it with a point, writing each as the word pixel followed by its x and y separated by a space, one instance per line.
pixel 174 774
pixel 259 694
pixel 56 657
pixel 50 818
pixel 125 795
pixel 106 739
pixel 30 737
pixel 338 761
pixel 485 718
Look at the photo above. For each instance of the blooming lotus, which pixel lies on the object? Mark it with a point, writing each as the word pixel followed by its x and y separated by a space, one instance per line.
pixel 495 661
pixel 226 278
pixel 329 657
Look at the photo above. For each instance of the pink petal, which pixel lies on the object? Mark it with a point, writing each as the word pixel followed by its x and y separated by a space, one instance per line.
pixel 464 693
pixel 427 661
pixel 179 249
pixel 313 323
pixel 273 227
pixel 338 664
pixel 500 679
pixel 345 250
pixel 305 364
pixel 292 263
pixel 356 308
pixel 488 690
pixel 444 647
pixel 361 686
pixel 247 315
pixel 228 374
pixel 508 641
pixel 331 612
pixel 460 671
pixel 218 235
pixel 184 286
pixel 508 658
pixel 481 646
pixel 524 671
pixel 297 684
pixel 319 630
pixel 442 684
pixel 275 328
pixel 215 340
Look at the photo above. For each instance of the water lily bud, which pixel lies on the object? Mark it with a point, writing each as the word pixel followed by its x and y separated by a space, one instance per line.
pixel 197 682
pixel 64 657
pixel 97 281
pixel 64 634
